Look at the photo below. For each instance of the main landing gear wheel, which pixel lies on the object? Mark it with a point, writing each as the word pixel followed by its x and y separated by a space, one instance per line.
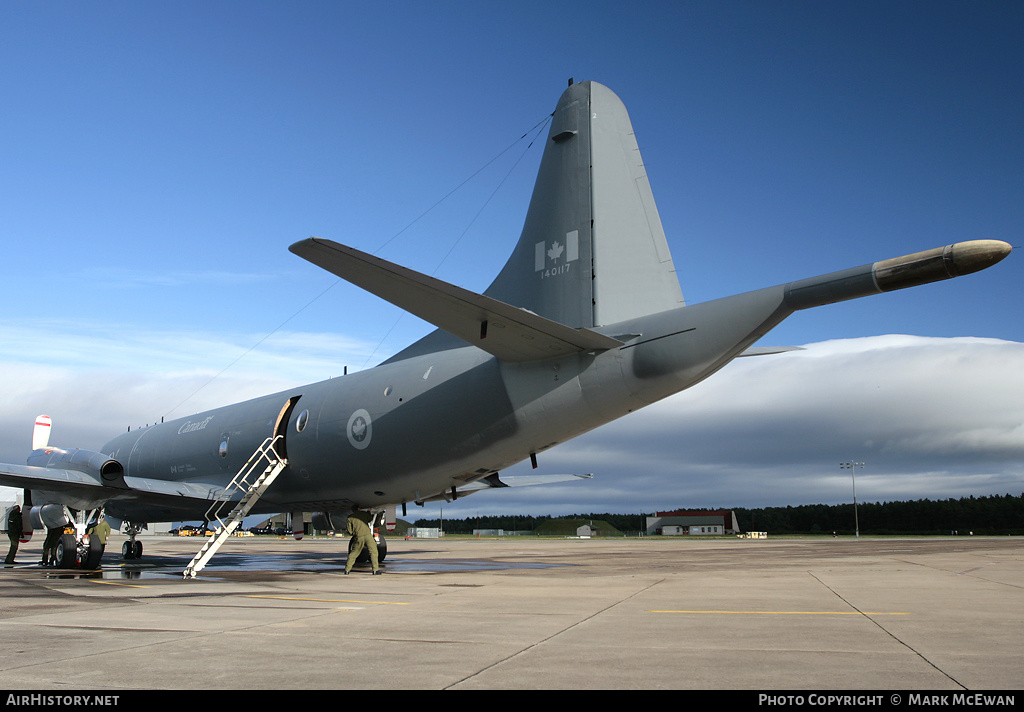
pixel 66 556
pixel 69 555
pixel 92 559
pixel 364 555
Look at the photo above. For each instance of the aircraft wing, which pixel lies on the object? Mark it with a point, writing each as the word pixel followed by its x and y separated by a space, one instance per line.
pixel 83 490
pixel 502 330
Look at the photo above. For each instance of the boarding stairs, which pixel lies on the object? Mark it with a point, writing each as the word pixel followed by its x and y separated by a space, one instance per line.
pixel 252 481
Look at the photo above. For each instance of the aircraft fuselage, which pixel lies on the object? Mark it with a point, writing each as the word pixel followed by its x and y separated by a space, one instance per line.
pixel 415 428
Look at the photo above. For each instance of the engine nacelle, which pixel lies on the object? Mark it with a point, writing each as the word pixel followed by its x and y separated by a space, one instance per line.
pixel 109 471
pixel 330 521
pixel 48 516
pixel 337 520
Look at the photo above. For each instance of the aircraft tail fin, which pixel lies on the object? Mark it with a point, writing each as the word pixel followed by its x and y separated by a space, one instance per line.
pixel 592 251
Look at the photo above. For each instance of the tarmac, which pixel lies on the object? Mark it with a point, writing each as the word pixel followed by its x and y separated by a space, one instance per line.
pixel 937 614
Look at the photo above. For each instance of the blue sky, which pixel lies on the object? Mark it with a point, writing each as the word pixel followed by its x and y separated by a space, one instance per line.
pixel 158 158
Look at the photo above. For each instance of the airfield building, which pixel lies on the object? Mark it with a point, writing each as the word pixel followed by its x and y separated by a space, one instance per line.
pixel 689 523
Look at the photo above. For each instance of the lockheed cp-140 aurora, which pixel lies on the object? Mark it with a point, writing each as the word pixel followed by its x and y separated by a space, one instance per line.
pixel 584 324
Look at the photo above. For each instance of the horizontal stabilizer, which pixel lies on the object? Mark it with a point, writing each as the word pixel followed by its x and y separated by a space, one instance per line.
pixel 769 350
pixel 492 482
pixel 519 481
pixel 505 331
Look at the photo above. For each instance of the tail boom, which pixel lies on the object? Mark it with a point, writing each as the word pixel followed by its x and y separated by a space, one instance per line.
pixel 678 348
pixel 898 273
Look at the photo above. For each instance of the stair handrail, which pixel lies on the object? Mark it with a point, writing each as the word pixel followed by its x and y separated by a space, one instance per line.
pixel 240 481
pixel 253 491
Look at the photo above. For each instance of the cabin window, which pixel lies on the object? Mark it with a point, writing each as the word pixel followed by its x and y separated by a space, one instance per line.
pixel 223 449
pixel 300 422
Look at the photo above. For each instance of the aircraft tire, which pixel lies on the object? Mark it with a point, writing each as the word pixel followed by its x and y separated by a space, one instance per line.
pixel 137 549
pixel 364 555
pixel 127 551
pixel 66 552
pixel 92 560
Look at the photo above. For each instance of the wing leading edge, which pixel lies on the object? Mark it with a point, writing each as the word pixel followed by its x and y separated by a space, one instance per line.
pixel 502 330
pixel 85 490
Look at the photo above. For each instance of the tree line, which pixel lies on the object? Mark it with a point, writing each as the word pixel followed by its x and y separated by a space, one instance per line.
pixel 996 514
pixel 631 523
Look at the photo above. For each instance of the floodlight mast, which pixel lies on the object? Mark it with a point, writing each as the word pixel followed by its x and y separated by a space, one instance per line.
pixel 852 467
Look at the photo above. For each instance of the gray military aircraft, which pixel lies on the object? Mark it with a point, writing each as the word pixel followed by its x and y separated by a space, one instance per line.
pixel 584 324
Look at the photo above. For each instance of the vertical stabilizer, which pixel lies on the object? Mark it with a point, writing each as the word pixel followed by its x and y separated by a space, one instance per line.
pixel 592 251
pixel 633 270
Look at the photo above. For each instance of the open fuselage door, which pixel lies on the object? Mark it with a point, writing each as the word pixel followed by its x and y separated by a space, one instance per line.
pixel 281 426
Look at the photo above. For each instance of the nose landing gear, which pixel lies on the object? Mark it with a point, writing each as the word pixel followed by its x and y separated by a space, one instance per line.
pixel 132 549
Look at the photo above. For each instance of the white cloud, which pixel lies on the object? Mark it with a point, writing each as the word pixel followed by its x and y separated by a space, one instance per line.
pixel 929 417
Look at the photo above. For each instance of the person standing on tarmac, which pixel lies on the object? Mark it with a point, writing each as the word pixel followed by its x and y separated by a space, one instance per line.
pixel 13 532
pixel 359 529
pixel 100 530
pixel 53 535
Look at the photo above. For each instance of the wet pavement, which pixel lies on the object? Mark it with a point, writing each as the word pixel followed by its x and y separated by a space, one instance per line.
pixel 263 555
pixel 272 613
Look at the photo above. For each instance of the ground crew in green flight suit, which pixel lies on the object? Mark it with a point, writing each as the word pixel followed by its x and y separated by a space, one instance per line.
pixel 100 530
pixel 359 529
